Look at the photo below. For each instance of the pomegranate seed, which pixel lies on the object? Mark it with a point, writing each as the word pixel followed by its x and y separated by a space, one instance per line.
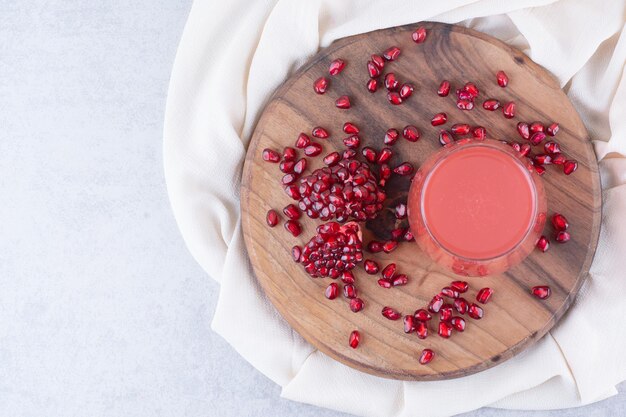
pixel 445 329
pixel 419 36
pixel 484 295
pixel 343 102
pixel 293 227
pixel 296 252
pixel 445 138
pixel 292 212
pixel 292 191
pixel 369 154
pixel 465 105
pixel 445 313
pixel 475 312
pixel 384 172
pixel 479 132
pixel 399 280
pixel 449 292
pixel 509 110
pixel 542 159
pixel 287 166
pixel 524 149
pixel 408 236
pixel 336 66
pixel 458 323
pixel 289 179
pixel 553 129
pixel 378 61
pixel 406 90
pixel 384 283
pixel 371 267
pixel 352 141
pixel 313 149
pixel 409 324
pixel 289 154
pixel 356 305
pixel 460 129
pixel 551 147
pixel 332 291
pixel 389 271
pixel 271 218
pixel 421 329
pixel 537 127
pixel 426 356
pixel 349 291
pixel 435 304
pixel 464 95
pixel 543 244
pixel 392 53
pixel 350 128
pixel 389 246
pixel 375 246
pixel 524 130
pixel 404 169
pixel 391 83
pixel 491 105
pixel 391 136
pixel 270 155
pixel 303 141
pixel 400 211
pixel 540 169
pixel 459 286
pixel 537 138
pixel 390 313
pixel 355 338
pixel 335 247
pixel 347 277
pixel 562 237
pixel 439 119
pixel 502 79
pixel 320 85
pixel 569 166
pixel 332 159
pixel 541 291
pixel 411 133
pixel 516 145
pixel 372 85
pixel 444 88
pixel 461 305
pixel 394 98
pixel 559 222
pixel 372 69
pixel 422 315
pixel 300 166
pixel 319 132
pixel 384 156
pixel 396 234
pixel 471 89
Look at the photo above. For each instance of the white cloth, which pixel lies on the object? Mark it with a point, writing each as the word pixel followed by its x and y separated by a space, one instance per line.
pixel 231 58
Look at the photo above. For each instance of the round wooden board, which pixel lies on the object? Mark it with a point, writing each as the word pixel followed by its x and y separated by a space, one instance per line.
pixel 513 319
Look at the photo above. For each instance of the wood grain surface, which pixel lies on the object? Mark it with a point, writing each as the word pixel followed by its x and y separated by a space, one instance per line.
pixel 513 319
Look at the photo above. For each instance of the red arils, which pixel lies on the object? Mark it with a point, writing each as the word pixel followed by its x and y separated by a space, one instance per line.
pixel 343 102
pixel 292 212
pixel 404 169
pixel 409 324
pixel 293 227
pixel 271 218
pixel 524 149
pixel 411 133
pixel 543 244
pixel 465 105
pixel 502 79
pixel 484 295
pixel 356 305
pixel 421 329
pixel 449 292
pixel 479 132
pixel 400 211
pixel 300 166
pixel 332 291
pixel 394 98
pixel 509 110
pixel 349 291
pixel 445 313
pixel 399 280
pixel 422 315
pixel 426 356
pixel 292 191
pixel 537 127
pixel 542 159
pixel 371 267
pixel 459 286
pixel 369 154
pixel 349 153
pixel 270 155
pixel 471 89
pixel 435 304
pixel 475 312
pixel 559 222
pixel 289 154
pixel 372 69
pixel 336 66
pixel 389 271
pixel 551 147
pixel 384 156
pixel 372 85
pixel 303 141
pixel 334 249
pixel 524 130
pixel 461 305
pixel 352 141
pixel 313 149
pixel 439 119
pixel 378 61
pixel 541 291
pixel 390 313
pixel 319 132
pixel 419 35
pixel 445 138
pixel 350 128
pixel 537 138
pixel 553 129
pixel 391 136
pixel 408 236
pixel 296 252
pixel 460 129
pixel 397 233
pixel 391 82
pixel 320 85
pixel 458 323
pixel 347 277
pixel 569 166
pixel 392 53
pixel 287 166
pixel 355 338
pixel 289 179
pixel 562 237
pixel 406 90
pixel 389 246
pixel 491 105
pixel 332 159
pixel 375 246
pixel 540 169
pixel 384 283
pixel 445 329
pixel 444 88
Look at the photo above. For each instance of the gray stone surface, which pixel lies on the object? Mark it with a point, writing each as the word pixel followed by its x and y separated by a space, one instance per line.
pixel 103 312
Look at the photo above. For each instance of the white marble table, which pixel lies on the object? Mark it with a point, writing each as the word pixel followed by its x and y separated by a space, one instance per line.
pixel 103 312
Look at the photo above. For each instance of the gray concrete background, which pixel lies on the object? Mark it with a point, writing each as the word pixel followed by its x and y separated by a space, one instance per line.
pixel 103 312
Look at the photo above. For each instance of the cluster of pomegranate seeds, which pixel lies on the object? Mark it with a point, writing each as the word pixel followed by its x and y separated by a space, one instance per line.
pixel 466 95
pixel 390 278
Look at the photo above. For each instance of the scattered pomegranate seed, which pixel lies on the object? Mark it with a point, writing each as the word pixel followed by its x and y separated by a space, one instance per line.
pixel 389 271
pixel 287 166
pixel 562 237
pixel 303 141
pixel 458 323
pixel 372 85
pixel 461 305
pixel 537 127
pixel 491 105
pixel 336 66
pixel 502 78
pixel 445 313
pixel 551 147
pixel 384 283
pixel 332 291
pixel 296 252
pixel 569 166
pixel 347 277
pixel 421 329
pixel 409 324
pixel 559 222
pixel 422 315
pixel 371 267
pixel 292 212
pixel 384 156
pixel 400 211
pixel 293 227
pixel 332 159
pixel 465 105
pixel 378 61
pixel 524 149
pixel 484 295
pixel 385 173
pixel 408 236
pixel 349 154
pixel 391 83
pixel 404 169
pixel 460 129
pixel 270 155
pixel 419 35
pixel 356 305
pixel 509 110
pixel 459 286
pixel 426 356
pixel 320 85
pixel 411 133
pixel 335 247
pixel 479 132
pixel 355 338
pixel 471 89
pixel 289 154
pixel 313 149
pixel 435 304
pixel 292 191
pixel 524 130
pixel 399 280
pixel 392 53
pixel 542 159
pixel 439 119
pixel 537 138
pixel 406 90
pixel 540 169
pixel 389 246
pixel 397 233
pixel 352 141
pixel 475 312
pixel 300 166
pixel 375 246
pixel 343 102
pixel 445 138
pixel 349 291
pixel 394 98
pixel 391 136
pixel 390 313
pixel 372 69
pixel 271 218
pixel 541 291
pixel 444 88
pixel 553 129
pixel 319 132
pixel 449 292
pixel 350 128
pixel 543 244
pixel 445 329
pixel 369 154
